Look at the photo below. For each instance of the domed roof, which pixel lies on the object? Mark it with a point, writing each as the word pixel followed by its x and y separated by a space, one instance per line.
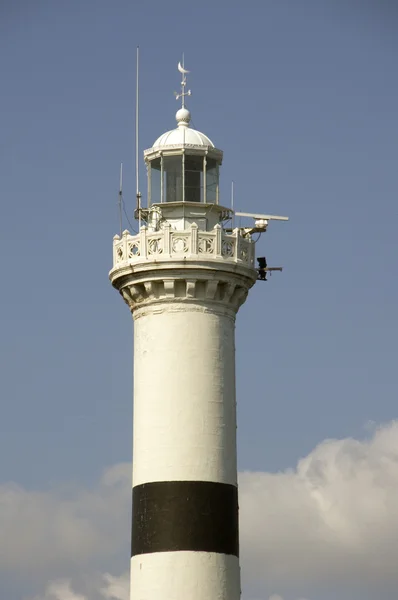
pixel 183 135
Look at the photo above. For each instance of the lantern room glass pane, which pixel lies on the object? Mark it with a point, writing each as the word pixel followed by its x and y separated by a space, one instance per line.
pixel 211 181
pixel 194 178
pixel 172 168
pixel 155 181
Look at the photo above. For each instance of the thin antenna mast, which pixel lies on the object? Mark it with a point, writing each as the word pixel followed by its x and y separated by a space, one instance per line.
pixel 232 204
pixel 121 198
pixel 137 191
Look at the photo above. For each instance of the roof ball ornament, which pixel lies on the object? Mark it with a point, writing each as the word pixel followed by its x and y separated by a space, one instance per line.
pixel 183 117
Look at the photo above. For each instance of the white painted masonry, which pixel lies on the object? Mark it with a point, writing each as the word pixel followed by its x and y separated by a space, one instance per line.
pixel 185 576
pixel 184 395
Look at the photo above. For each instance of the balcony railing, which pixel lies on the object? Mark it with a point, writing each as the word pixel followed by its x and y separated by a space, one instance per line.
pixel 192 243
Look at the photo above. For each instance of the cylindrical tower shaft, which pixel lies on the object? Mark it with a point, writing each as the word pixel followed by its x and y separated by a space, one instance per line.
pixel 185 507
pixel 184 395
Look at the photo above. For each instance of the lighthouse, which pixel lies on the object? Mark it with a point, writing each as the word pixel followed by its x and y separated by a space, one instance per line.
pixel 184 276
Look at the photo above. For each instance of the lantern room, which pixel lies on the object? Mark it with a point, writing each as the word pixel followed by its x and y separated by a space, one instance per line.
pixel 183 166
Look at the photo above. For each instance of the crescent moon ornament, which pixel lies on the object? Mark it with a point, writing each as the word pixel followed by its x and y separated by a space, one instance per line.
pixel 181 69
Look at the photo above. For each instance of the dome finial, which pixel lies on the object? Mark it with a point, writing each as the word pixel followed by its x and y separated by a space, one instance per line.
pixel 183 117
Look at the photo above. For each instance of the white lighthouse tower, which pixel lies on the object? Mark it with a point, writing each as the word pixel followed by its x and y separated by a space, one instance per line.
pixel 184 277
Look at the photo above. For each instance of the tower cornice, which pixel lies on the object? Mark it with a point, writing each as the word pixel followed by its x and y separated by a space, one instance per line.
pixel 200 288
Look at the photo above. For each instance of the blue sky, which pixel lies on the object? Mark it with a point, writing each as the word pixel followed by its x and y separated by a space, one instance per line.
pixel 302 97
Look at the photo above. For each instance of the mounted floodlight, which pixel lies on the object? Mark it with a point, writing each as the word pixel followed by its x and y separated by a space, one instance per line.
pixel 264 269
pixel 262 262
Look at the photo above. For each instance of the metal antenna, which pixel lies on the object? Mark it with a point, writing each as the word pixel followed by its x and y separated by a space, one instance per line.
pixel 183 93
pixel 137 191
pixel 232 204
pixel 121 198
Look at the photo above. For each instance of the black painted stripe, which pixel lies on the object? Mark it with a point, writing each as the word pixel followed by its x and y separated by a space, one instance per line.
pixel 170 516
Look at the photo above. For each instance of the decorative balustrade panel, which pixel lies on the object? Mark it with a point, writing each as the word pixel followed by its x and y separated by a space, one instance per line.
pixel 168 243
pixel 181 243
pixel 206 243
pixel 154 244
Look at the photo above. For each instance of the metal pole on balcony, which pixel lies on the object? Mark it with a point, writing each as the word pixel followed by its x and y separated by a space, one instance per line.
pixel 161 179
pixel 204 179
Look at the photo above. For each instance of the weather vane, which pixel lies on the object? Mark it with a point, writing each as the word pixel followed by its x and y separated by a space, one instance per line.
pixel 183 93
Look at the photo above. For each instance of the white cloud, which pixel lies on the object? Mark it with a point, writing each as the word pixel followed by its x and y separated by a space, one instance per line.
pixel 64 527
pixel 116 588
pixel 60 590
pixel 331 519
pixel 105 587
